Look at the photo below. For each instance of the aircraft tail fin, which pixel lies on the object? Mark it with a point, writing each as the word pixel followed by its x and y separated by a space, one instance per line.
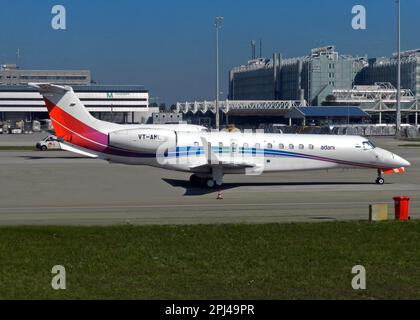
pixel 71 120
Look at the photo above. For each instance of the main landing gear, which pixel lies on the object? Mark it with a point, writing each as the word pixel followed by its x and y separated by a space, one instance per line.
pixel 380 180
pixel 208 182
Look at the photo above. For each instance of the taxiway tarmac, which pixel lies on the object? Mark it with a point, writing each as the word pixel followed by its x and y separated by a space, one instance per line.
pixel 61 188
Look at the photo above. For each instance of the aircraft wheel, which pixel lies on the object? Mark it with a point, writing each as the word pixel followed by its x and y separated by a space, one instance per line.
pixel 218 183
pixel 380 181
pixel 210 183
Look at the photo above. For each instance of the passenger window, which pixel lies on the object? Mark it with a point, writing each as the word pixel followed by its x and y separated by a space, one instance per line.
pixel 257 146
pixel 301 146
pixel 281 146
pixel 195 144
pixel 291 146
pixel 269 146
pixel 311 147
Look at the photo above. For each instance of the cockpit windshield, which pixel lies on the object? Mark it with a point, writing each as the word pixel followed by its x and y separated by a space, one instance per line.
pixel 368 145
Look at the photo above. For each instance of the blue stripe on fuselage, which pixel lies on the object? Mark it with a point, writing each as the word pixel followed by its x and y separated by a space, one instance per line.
pixel 197 150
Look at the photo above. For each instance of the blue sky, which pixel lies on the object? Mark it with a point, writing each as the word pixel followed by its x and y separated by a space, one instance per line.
pixel 168 45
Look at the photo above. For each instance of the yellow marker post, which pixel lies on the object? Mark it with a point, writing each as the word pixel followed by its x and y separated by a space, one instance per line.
pixel 378 212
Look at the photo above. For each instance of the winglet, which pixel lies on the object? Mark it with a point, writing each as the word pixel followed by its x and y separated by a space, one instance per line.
pixel 212 158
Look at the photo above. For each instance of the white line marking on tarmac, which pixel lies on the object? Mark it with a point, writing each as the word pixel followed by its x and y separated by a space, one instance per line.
pixel 279 204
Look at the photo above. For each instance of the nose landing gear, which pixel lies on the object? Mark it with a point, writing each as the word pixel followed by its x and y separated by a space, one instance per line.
pixel 380 180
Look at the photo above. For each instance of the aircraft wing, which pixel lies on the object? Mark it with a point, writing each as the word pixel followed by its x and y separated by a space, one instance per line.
pixel 227 165
pixel 213 160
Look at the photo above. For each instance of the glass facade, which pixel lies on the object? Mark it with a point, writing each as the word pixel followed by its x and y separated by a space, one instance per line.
pixel 312 77
pixel 385 70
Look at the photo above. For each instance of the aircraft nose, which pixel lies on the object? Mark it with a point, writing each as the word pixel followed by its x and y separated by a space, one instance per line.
pixel 401 161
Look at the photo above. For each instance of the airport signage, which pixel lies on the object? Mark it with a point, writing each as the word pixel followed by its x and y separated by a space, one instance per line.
pixel 111 95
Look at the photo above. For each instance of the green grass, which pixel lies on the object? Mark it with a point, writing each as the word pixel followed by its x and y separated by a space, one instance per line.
pixel 17 148
pixel 273 261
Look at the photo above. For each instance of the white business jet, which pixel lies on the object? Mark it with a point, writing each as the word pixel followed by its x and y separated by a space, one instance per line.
pixel 207 155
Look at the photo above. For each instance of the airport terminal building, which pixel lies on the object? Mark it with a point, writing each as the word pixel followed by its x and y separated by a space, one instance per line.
pixel 10 74
pixel 385 70
pixel 122 104
pixel 311 78
pixel 116 103
pixel 314 77
pixel 327 78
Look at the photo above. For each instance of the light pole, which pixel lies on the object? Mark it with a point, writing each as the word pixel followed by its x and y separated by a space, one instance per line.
pixel 218 24
pixel 398 122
